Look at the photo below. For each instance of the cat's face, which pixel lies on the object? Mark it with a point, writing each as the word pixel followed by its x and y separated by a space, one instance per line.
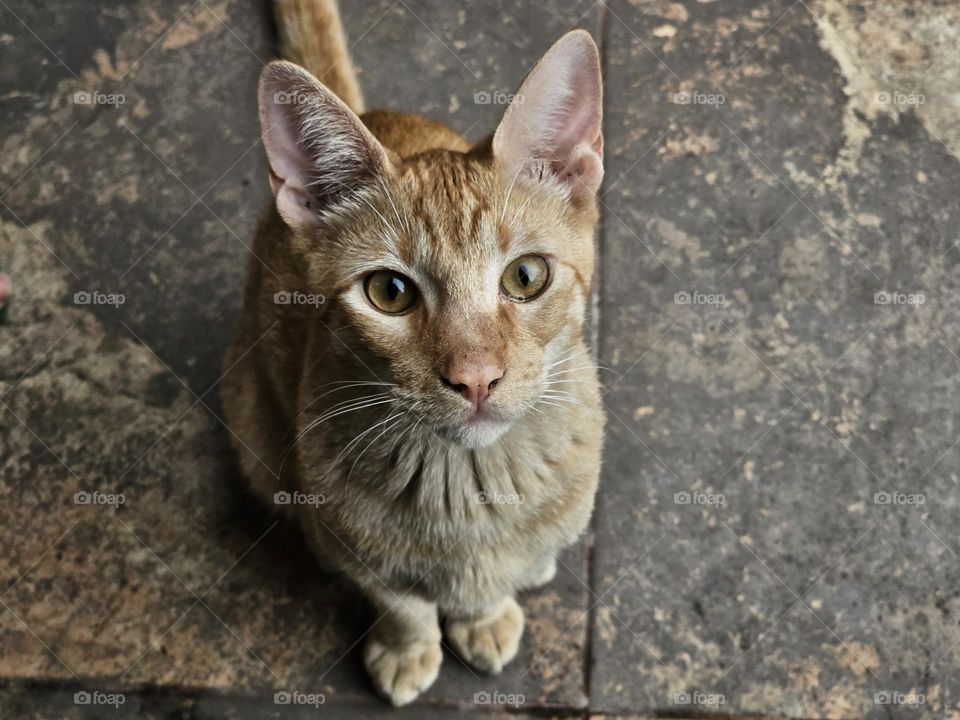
pixel 464 275
pixel 469 296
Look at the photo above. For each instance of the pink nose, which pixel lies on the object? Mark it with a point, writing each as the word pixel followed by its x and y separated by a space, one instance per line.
pixel 474 380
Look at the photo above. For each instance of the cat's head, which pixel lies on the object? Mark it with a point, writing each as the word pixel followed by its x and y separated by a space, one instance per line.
pixel 463 275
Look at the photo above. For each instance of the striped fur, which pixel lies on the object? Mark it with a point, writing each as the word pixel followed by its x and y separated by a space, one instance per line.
pixel 430 515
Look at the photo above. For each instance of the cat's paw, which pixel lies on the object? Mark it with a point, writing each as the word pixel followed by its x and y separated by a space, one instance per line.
pixel 491 641
pixel 401 673
pixel 542 573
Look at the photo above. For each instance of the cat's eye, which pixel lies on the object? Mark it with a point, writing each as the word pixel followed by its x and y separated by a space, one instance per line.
pixel 390 292
pixel 525 278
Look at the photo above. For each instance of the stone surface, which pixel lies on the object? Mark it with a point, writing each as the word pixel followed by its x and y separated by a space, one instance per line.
pixel 46 703
pixel 757 163
pixel 151 192
pixel 797 159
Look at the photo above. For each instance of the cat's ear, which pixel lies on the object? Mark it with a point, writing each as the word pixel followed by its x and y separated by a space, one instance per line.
pixel 552 129
pixel 319 151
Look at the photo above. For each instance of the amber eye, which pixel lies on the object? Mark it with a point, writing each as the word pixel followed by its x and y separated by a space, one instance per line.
pixel 390 292
pixel 525 278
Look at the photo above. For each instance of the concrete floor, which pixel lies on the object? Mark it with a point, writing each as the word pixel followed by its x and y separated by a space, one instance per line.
pixel 778 310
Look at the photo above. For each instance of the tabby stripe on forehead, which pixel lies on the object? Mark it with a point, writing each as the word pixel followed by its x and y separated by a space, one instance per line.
pixel 477 217
pixel 420 208
pixel 431 229
pixel 449 182
pixel 458 189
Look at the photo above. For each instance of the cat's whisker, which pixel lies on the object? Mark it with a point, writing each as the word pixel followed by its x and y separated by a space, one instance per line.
pixel 342 409
pixel 400 417
pixel 570 370
pixel 526 203
pixel 347 386
pixel 355 405
pixel 412 409
pixel 564 357
pixel 354 441
pixel 561 398
pixel 356 382
pixel 350 402
pixel 555 395
pixel 326 416
pixel 386 191
pixel 344 385
pixel 408 431
pixel 361 198
pixel 506 200
pixel 396 418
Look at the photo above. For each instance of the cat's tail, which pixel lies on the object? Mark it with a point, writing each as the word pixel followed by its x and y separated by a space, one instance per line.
pixel 311 36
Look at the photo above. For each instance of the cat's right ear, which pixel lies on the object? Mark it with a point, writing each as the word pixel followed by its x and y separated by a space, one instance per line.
pixel 319 151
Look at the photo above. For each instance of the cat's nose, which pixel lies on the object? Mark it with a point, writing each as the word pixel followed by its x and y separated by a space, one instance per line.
pixel 473 380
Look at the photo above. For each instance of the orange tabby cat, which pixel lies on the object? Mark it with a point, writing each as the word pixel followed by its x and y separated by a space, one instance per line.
pixel 409 378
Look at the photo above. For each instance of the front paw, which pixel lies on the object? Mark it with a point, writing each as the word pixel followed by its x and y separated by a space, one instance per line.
pixel 401 672
pixel 542 573
pixel 491 641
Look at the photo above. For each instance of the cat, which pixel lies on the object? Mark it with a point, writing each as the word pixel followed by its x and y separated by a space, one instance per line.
pixel 409 379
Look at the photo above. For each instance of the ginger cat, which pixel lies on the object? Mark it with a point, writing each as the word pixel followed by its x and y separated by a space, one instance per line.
pixel 408 378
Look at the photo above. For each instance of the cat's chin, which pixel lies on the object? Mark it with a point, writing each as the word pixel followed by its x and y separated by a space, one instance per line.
pixel 477 433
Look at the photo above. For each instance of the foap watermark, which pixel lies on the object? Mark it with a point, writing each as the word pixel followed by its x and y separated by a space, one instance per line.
pixel 97 697
pixel 496 697
pixel 495 97
pixel 289 98
pixel 886 497
pixel 292 297
pixel 899 99
pixel 911 699
pixel 298 498
pixel 95 97
pixel 699 98
pixel 699 498
pixel 698 298
pixel 114 500
pixel 295 697
pixel 895 297
pixel 95 297
pixel 699 698
pixel 494 497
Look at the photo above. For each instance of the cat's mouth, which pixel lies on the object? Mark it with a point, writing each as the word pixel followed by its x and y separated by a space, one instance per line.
pixel 477 429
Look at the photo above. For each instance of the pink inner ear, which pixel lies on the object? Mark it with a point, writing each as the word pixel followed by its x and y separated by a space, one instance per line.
pixel 280 126
pixel 318 149
pixel 275 181
pixel 557 117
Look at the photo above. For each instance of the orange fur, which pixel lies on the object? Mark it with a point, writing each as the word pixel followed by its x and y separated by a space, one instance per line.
pixel 340 400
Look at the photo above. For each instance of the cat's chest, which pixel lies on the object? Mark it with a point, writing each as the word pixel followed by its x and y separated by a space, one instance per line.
pixel 444 481
pixel 436 488
pixel 420 492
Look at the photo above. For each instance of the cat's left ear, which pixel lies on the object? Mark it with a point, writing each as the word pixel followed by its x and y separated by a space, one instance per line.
pixel 320 154
pixel 552 130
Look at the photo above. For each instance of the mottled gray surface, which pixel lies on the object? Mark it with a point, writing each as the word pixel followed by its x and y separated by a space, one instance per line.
pixel 190 584
pixel 795 159
pixel 798 398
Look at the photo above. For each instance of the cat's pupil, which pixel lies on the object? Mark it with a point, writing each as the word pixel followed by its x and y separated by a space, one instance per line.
pixel 524 274
pixel 395 288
